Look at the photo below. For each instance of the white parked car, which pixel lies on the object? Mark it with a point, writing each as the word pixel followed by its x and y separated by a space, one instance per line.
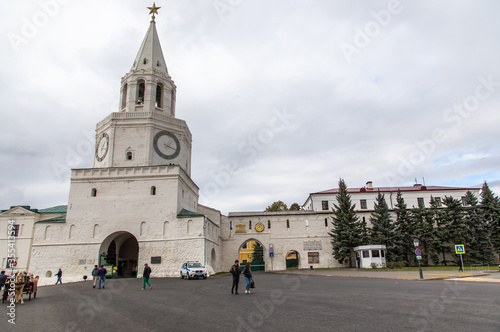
pixel 193 269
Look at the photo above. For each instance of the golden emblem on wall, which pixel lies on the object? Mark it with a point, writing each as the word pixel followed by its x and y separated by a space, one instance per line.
pixel 240 228
pixel 259 227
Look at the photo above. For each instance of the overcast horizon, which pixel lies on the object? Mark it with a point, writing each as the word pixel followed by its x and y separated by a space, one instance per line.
pixel 282 98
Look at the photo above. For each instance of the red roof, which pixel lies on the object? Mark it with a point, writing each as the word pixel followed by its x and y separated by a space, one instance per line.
pixel 415 187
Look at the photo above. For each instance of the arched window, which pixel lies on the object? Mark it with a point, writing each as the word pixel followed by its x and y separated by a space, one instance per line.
pixel 141 87
pixel 96 231
pixel 165 228
pixel 159 95
pixel 72 231
pixel 48 233
pixel 124 96
pixel 93 192
pixel 153 190
pixel 129 156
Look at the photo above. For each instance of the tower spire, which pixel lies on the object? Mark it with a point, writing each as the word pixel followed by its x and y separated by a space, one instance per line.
pixel 153 10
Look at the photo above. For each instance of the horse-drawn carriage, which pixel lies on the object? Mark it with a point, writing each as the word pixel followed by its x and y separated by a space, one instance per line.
pixel 23 284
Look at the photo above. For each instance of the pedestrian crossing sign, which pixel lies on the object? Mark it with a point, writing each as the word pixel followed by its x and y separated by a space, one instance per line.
pixel 459 249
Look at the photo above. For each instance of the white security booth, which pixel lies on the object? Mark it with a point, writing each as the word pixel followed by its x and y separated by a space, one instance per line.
pixel 366 255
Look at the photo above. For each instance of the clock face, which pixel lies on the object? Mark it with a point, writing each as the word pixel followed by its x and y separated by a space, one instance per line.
pixel 102 147
pixel 166 145
pixel 259 227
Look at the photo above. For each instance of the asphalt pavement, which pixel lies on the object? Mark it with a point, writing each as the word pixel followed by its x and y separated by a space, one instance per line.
pixel 280 302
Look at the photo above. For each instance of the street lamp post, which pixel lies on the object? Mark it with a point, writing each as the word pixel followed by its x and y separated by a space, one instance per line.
pixel 418 253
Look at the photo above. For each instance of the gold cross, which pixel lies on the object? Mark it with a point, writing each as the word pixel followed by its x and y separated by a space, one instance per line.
pixel 153 10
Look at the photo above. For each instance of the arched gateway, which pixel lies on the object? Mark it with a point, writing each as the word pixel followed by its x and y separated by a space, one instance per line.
pixel 120 249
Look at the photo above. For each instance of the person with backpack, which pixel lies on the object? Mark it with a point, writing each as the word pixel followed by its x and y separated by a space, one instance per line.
pixel 235 271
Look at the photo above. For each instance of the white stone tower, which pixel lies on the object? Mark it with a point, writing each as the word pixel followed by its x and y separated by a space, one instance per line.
pixel 138 204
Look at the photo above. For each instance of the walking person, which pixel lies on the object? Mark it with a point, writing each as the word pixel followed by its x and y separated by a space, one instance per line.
pixel 145 277
pixel 59 276
pixel 248 277
pixel 102 276
pixel 235 271
pixel 95 275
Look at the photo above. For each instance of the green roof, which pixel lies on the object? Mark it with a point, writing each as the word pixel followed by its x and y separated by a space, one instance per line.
pixel 61 219
pixel 188 214
pixel 54 209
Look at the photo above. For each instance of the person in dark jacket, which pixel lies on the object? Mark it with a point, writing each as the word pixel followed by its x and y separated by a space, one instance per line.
pixel 95 275
pixel 102 276
pixel 3 279
pixel 145 277
pixel 248 277
pixel 59 276
pixel 235 271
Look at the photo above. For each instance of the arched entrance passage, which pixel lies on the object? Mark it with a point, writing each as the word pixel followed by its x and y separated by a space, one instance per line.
pixel 292 259
pixel 252 251
pixel 120 249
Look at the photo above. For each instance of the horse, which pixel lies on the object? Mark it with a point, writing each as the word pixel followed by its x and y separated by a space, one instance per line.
pixel 20 281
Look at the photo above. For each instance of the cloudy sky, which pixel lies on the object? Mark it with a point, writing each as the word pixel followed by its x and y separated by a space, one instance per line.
pixel 283 98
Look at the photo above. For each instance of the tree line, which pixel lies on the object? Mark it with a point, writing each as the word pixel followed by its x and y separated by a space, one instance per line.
pixel 475 224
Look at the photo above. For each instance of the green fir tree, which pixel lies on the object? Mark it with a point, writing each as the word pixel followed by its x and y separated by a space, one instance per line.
pixel 346 233
pixel 383 230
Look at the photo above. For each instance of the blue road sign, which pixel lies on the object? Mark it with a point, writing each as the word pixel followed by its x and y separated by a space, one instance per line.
pixel 271 254
pixel 418 252
pixel 459 249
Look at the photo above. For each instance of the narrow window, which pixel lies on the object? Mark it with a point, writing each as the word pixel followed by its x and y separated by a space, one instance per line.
pixel 362 202
pixel 124 96
pixel 129 156
pixel 93 192
pixel 14 231
pixel 326 222
pixel 153 190
pixel 420 202
pixel 382 252
pixel 463 201
pixel 364 219
pixel 140 92
pixel 324 205
pixel 230 225
pixel 157 63
pixel 437 200
pixel 249 224
pixel 287 223
pixel 269 224
pixel 144 61
pixel 375 253
pixel 159 94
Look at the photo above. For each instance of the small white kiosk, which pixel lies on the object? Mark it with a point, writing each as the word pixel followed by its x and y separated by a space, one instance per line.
pixel 366 255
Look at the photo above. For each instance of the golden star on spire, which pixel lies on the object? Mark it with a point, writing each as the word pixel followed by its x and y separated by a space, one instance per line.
pixel 153 10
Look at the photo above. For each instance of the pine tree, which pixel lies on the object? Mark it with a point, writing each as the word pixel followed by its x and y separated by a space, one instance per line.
pixel 490 205
pixel 438 239
pixel 480 249
pixel 424 231
pixel 346 233
pixel 383 230
pixel 405 228
pixel 453 215
pixel 258 253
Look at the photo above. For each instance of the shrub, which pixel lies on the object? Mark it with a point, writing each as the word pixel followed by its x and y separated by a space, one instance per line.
pixel 373 265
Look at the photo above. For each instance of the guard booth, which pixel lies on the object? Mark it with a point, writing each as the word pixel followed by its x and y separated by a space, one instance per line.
pixel 366 255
